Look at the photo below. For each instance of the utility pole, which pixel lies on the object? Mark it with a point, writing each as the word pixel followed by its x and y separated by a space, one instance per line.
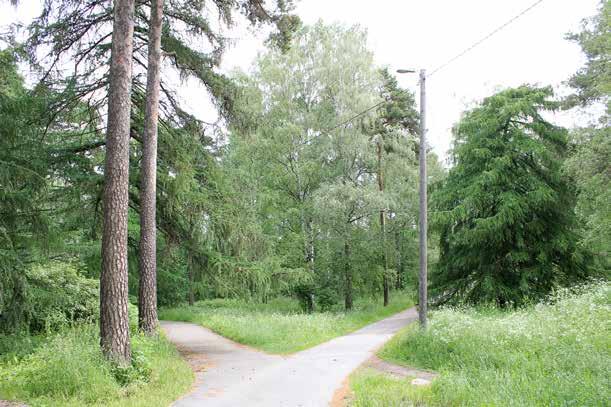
pixel 422 277
pixel 422 224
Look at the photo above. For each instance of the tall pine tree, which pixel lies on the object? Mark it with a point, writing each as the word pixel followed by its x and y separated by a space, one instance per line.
pixel 147 293
pixel 114 321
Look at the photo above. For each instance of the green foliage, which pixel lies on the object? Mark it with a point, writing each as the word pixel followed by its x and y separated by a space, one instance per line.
pixel 16 346
pixel 590 155
pixel 68 365
pixel 299 188
pixel 23 222
pixel 590 165
pixel 505 214
pixel 58 295
pixel 280 325
pixel 593 81
pixel 139 371
pixel 236 219
pixel 68 369
pixel 52 137
pixel 553 353
pixel 172 282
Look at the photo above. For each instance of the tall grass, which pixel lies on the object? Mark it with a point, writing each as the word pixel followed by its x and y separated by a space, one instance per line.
pixel 68 369
pixel 554 353
pixel 280 326
pixel 371 388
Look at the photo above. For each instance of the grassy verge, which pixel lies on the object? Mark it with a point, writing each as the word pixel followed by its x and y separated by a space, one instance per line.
pixel 371 388
pixel 68 369
pixel 558 353
pixel 280 326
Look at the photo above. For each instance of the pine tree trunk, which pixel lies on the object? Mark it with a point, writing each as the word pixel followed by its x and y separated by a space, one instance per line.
pixel 383 227
pixel 147 295
pixel 347 279
pixel 114 321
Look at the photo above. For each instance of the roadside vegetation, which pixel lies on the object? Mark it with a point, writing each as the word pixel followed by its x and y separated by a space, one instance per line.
pixel 281 326
pixel 553 353
pixel 67 368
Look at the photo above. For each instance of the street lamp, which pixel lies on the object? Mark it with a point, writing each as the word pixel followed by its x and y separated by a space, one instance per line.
pixel 422 276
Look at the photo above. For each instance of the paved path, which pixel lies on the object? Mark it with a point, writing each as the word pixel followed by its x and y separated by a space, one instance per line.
pixel 228 374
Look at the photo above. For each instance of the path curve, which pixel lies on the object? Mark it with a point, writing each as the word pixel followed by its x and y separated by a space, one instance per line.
pixel 229 374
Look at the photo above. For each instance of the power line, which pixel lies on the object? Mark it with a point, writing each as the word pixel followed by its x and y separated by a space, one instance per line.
pixel 448 62
pixel 475 44
pixel 355 116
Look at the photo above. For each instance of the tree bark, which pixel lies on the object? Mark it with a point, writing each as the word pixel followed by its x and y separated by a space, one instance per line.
pixel 147 293
pixel 191 278
pixel 114 321
pixel 400 271
pixel 347 279
pixel 383 226
pixel 309 258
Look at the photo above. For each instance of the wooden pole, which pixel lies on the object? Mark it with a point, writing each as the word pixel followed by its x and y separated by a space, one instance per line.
pixel 422 276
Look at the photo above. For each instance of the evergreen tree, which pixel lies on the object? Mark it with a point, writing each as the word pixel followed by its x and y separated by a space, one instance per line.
pixel 69 45
pixel 505 213
pixel 24 219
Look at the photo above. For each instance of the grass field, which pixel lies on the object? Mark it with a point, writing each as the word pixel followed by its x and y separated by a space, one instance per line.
pixel 280 326
pixel 67 369
pixel 557 353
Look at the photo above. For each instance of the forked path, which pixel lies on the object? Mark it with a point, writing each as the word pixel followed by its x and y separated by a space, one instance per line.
pixel 228 374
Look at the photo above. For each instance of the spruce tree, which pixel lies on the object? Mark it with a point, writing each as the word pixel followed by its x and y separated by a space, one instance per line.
pixel 505 213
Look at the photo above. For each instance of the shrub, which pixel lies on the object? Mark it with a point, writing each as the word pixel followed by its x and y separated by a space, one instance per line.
pixel 17 346
pixel 57 295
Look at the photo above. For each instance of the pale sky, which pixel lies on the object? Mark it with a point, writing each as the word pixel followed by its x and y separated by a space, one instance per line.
pixel 424 34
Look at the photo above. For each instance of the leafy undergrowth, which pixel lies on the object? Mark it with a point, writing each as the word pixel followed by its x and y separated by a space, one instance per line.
pixel 280 326
pixel 67 369
pixel 554 353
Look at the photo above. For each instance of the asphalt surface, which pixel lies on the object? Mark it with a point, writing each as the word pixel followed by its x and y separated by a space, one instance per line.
pixel 229 374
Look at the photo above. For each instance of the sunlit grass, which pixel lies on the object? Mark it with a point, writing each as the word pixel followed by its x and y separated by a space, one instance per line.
pixel 556 353
pixel 280 326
